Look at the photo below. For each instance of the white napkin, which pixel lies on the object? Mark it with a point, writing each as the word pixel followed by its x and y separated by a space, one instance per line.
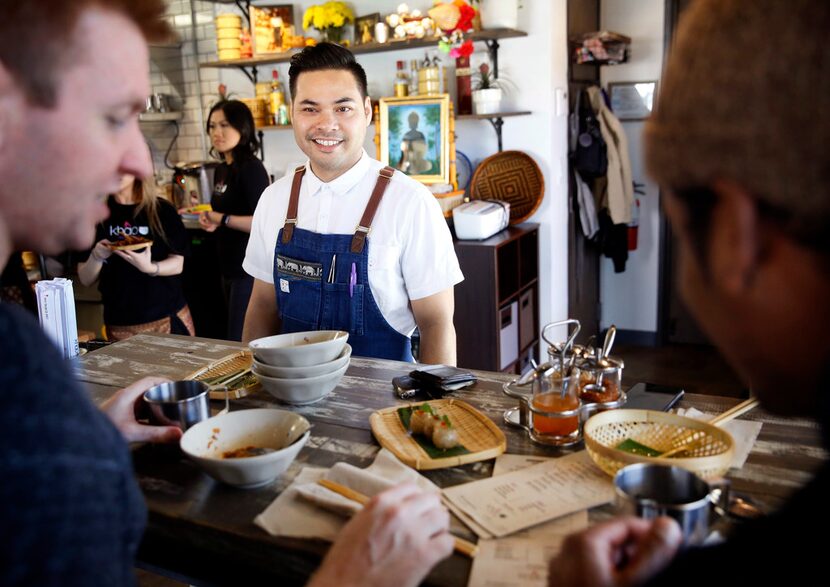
pixel 743 431
pixel 295 512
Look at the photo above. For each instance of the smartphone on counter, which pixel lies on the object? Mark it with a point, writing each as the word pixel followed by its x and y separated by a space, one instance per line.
pixel 651 396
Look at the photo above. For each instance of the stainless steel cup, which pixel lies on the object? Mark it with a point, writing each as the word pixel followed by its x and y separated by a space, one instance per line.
pixel 178 403
pixel 161 102
pixel 650 490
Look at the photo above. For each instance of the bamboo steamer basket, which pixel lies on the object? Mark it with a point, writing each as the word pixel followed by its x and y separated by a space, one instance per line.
pixel 710 452
pixel 229 54
pixel 259 110
pixel 228 44
pixel 228 33
pixel 228 21
pixel 262 90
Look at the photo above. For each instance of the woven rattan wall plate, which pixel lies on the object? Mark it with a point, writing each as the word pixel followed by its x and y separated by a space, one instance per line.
pixel 476 432
pixel 510 176
pixel 709 457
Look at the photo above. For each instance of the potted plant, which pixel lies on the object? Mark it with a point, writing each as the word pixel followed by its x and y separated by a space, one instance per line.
pixel 487 91
pixel 329 19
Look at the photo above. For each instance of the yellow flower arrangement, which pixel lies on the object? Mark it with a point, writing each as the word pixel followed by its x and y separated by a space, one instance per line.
pixel 328 18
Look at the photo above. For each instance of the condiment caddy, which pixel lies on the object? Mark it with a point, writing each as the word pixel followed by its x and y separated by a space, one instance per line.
pixel 557 397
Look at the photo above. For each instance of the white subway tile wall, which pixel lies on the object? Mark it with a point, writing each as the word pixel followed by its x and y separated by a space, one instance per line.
pixel 173 71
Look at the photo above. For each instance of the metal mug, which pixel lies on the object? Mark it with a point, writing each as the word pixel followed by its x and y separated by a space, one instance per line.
pixel 161 102
pixel 178 403
pixel 649 490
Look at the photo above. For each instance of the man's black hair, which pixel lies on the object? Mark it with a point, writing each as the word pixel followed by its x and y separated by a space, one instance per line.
pixel 325 56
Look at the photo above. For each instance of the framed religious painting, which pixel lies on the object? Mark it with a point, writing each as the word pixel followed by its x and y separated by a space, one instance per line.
pixel 271 26
pixel 415 136
pixel 632 100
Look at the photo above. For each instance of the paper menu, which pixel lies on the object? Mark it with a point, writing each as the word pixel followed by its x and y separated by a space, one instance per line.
pixel 521 499
pixel 522 559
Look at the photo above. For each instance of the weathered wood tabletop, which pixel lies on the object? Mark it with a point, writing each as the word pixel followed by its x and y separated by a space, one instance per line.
pixel 203 531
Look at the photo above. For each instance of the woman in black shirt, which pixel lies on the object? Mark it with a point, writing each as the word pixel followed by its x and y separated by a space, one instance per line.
pixel 140 288
pixel 238 183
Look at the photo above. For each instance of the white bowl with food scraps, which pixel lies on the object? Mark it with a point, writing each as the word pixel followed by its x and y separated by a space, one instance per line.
pixel 300 349
pixel 300 392
pixel 247 448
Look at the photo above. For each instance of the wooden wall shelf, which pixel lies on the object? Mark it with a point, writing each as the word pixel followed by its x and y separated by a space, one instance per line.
pixel 488 35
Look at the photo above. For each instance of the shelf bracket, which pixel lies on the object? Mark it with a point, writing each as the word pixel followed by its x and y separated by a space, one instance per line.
pixel 261 136
pixel 246 10
pixel 251 75
pixel 497 123
pixel 493 49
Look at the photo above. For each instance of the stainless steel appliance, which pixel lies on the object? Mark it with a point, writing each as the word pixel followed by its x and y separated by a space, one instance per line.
pixel 193 183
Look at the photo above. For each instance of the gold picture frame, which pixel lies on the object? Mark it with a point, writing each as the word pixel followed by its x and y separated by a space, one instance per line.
pixel 415 136
pixel 364 28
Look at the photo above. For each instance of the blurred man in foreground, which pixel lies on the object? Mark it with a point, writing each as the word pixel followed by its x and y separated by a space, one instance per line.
pixel 739 144
pixel 73 78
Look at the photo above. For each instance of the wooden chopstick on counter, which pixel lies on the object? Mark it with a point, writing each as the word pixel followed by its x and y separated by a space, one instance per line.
pixel 719 420
pixel 735 411
pixel 461 546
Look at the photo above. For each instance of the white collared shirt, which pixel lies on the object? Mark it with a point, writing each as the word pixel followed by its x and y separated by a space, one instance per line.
pixel 411 255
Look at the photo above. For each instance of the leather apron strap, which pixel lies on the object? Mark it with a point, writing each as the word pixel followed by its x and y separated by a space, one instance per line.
pixel 293 205
pixel 359 238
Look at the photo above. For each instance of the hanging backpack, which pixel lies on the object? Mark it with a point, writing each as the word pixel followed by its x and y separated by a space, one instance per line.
pixel 590 157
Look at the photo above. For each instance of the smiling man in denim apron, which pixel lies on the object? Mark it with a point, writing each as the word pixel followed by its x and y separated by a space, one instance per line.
pixel 344 243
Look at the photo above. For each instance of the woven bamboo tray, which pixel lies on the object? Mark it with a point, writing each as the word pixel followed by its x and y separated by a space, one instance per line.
pixel 476 432
pixel 228 365
pixel 710 452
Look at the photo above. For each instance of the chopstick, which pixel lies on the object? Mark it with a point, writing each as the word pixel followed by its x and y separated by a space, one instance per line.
pixel 461 546
pixel 224 382
pixel 719 421
pixel 735 411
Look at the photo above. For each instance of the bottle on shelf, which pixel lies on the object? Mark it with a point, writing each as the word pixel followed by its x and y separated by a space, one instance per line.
pixel 413 77
pixel 276 103
pixel 464 86
pixel 429 77
pixel 401 81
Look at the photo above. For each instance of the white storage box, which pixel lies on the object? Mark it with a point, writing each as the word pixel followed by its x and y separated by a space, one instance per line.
pixel 480 219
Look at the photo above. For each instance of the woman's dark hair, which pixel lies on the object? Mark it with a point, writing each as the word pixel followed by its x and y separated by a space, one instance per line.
pixel 240 118
pixel 323 56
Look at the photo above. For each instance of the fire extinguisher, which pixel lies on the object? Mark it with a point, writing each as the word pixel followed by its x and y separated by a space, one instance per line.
pixel 634 225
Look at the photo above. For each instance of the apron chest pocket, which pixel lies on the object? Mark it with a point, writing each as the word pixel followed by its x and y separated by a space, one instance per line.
pixel 341 311
pixel 298 291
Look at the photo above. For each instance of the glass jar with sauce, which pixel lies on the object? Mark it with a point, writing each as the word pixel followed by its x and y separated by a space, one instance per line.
pixel 600 382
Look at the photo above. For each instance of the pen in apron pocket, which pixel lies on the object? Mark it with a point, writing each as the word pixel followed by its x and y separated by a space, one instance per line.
pixel 352 280
pixel 331 269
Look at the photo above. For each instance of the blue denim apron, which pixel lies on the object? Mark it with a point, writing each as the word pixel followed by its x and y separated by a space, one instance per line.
pixel 322 281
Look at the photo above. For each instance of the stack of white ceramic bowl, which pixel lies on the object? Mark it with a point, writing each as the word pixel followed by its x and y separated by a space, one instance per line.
pixel 302 367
